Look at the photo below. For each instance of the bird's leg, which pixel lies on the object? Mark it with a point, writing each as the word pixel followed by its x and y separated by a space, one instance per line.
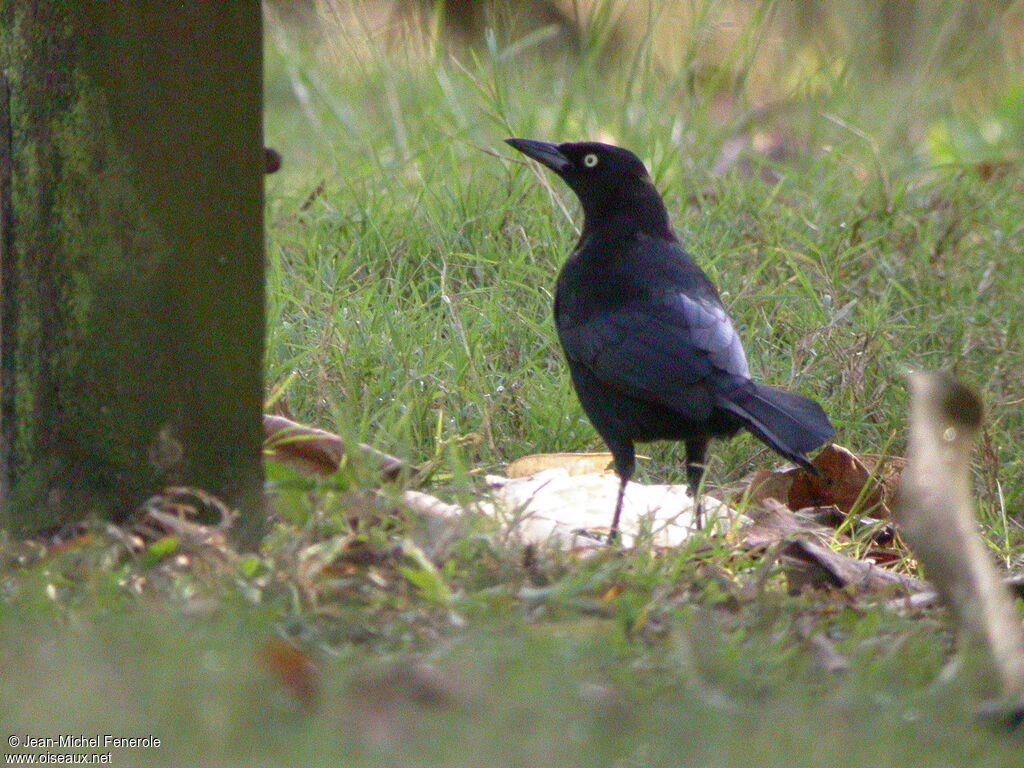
pixel 694 475
pixel 625 463
pixel 695 451
pixel 613 533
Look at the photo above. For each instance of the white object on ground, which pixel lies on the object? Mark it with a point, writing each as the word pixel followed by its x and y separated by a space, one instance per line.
pixel 555 507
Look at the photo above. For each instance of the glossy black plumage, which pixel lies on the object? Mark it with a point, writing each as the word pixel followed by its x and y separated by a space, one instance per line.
pixel 652 352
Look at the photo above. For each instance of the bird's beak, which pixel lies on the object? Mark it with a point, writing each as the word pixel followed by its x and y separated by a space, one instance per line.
pixel 543 152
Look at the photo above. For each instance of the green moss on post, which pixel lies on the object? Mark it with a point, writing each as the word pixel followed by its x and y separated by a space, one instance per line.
pixel 131 341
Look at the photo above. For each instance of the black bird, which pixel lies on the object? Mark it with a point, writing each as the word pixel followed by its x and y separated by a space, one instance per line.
pixel 652 352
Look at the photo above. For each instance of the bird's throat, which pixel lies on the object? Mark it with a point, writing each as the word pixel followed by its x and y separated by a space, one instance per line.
pixel 626 213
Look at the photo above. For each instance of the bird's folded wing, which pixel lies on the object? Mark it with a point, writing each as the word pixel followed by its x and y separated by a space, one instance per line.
pixel 653 348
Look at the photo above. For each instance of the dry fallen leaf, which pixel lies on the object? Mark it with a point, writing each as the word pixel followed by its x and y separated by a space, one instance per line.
pixel 846 479
pixel 292 669
pixel 572 463
pixel 766 484
pixel 313 451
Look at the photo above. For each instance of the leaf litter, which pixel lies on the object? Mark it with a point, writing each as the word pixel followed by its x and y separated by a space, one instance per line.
pixel 817 528
pixel 390 548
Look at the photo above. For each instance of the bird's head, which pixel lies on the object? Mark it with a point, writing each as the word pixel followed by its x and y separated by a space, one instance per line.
pixel 606 179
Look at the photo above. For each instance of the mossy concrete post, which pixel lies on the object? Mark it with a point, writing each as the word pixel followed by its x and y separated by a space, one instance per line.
pixel 131 257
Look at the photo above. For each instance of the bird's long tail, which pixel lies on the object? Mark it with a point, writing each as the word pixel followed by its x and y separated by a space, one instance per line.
pixel 790 424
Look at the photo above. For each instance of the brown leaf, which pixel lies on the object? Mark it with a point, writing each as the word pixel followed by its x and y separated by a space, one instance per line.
pixel 572 463
pixel 844 479
pixel 292 669
pixel 766 484
pixel 313 451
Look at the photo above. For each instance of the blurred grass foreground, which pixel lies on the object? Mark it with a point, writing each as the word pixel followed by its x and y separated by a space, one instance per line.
pixel 849 173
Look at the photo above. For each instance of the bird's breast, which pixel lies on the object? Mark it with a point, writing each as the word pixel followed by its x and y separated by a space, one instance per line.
pixel 582 293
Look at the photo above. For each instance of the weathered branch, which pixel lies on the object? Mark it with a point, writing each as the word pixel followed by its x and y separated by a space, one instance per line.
pixel 935 512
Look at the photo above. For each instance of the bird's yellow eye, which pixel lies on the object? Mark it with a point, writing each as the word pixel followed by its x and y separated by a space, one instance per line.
pixel 590 160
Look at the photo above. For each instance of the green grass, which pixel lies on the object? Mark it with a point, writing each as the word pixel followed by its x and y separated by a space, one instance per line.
pixel 634 660
pixel 411 258
pixel 577 693
pixel 410 302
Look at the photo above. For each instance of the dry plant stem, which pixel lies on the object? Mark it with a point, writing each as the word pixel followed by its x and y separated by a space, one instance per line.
pixel 935 513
